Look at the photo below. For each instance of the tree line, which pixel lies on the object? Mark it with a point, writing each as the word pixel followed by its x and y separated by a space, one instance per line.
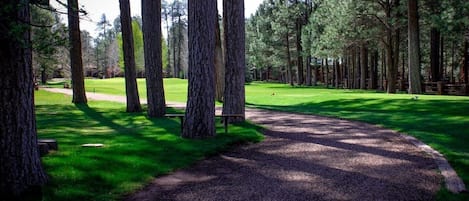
pixel 389 45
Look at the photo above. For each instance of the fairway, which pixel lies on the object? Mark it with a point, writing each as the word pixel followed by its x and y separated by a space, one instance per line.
pixel 439 121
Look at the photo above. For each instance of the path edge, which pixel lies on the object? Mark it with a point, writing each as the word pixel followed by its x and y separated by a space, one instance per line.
pixel 452 181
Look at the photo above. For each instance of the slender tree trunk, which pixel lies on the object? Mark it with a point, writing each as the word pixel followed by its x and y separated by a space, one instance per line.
pixel 363 66
pixel 465 67
pixel 442 59
pixel 179 46
pixel 382 70
pixel 234 24
pixel 200 113
pixel 289 67
pixel 326 68
pixel 355 64
pixel 133 101
pixel 415 86
pixel 21 173
pixel 76 62
pixel 219 64
pixel 434 54
pixel 336 73
pixel 374 70
pixel 315 72
pixel 299 51
pixel 151 20
pixel 308 71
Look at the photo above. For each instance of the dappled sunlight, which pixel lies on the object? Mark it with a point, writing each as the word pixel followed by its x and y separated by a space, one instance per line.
pixel 135 147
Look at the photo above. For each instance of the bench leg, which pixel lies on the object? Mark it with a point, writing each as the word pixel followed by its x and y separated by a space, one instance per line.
pixel 225 123
pixel 182 123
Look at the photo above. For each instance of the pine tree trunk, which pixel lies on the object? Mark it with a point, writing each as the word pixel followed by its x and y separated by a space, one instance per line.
pixel 434 54
pixel 326 68
pixel 151 20
pixel 200 113
pixel 289 67
pixel 414 49
pixel 299 51
pixel 76 62
pixel 308 71
pixel 234 103
pixel 133 101
pixel 374 70
pixel 363 66
pixel 315 72
pixel 219 64
pixel 21 173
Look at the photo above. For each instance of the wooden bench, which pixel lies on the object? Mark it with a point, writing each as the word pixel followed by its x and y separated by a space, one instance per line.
pixel 225 119
pixel 45 145
pixel 180 116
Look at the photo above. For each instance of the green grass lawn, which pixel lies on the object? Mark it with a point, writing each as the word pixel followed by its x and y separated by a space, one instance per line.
pixel 440 121
pixel 135 150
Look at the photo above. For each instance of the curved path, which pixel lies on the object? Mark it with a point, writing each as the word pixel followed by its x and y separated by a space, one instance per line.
pixel 306 157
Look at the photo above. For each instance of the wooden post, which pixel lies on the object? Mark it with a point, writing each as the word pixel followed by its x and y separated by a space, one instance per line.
pixel 440 85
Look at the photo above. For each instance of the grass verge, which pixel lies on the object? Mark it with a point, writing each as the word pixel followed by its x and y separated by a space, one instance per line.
pixel 136 148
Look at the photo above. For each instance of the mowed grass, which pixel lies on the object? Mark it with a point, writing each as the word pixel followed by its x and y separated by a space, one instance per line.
pixel 136 148
pixel 440 121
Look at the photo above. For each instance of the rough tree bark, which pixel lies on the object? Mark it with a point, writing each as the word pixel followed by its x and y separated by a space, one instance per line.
pixel 133 101
pixel 233 12
pixel 151 20
pixel 200 112
pixel 414 48
pixel 76 62
pixel 21 173
pixel 219 64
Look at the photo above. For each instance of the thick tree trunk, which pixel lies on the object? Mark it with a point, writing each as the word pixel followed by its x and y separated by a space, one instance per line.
pixel 219 64
pixel 234 103
pixel 21 173
pixel 414 48
pixel 151 20
pixel 434 54
pixel 200 112
pixel 133 101
pixel 76 62
pixel 363 66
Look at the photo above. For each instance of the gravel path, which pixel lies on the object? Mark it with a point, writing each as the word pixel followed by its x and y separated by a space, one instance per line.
pixel 306 157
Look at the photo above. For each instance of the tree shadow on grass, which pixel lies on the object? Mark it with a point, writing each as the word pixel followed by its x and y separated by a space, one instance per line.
pixel 135 150
pixel 440 123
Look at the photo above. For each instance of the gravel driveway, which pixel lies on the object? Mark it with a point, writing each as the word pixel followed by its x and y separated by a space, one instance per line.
pixel 306 157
